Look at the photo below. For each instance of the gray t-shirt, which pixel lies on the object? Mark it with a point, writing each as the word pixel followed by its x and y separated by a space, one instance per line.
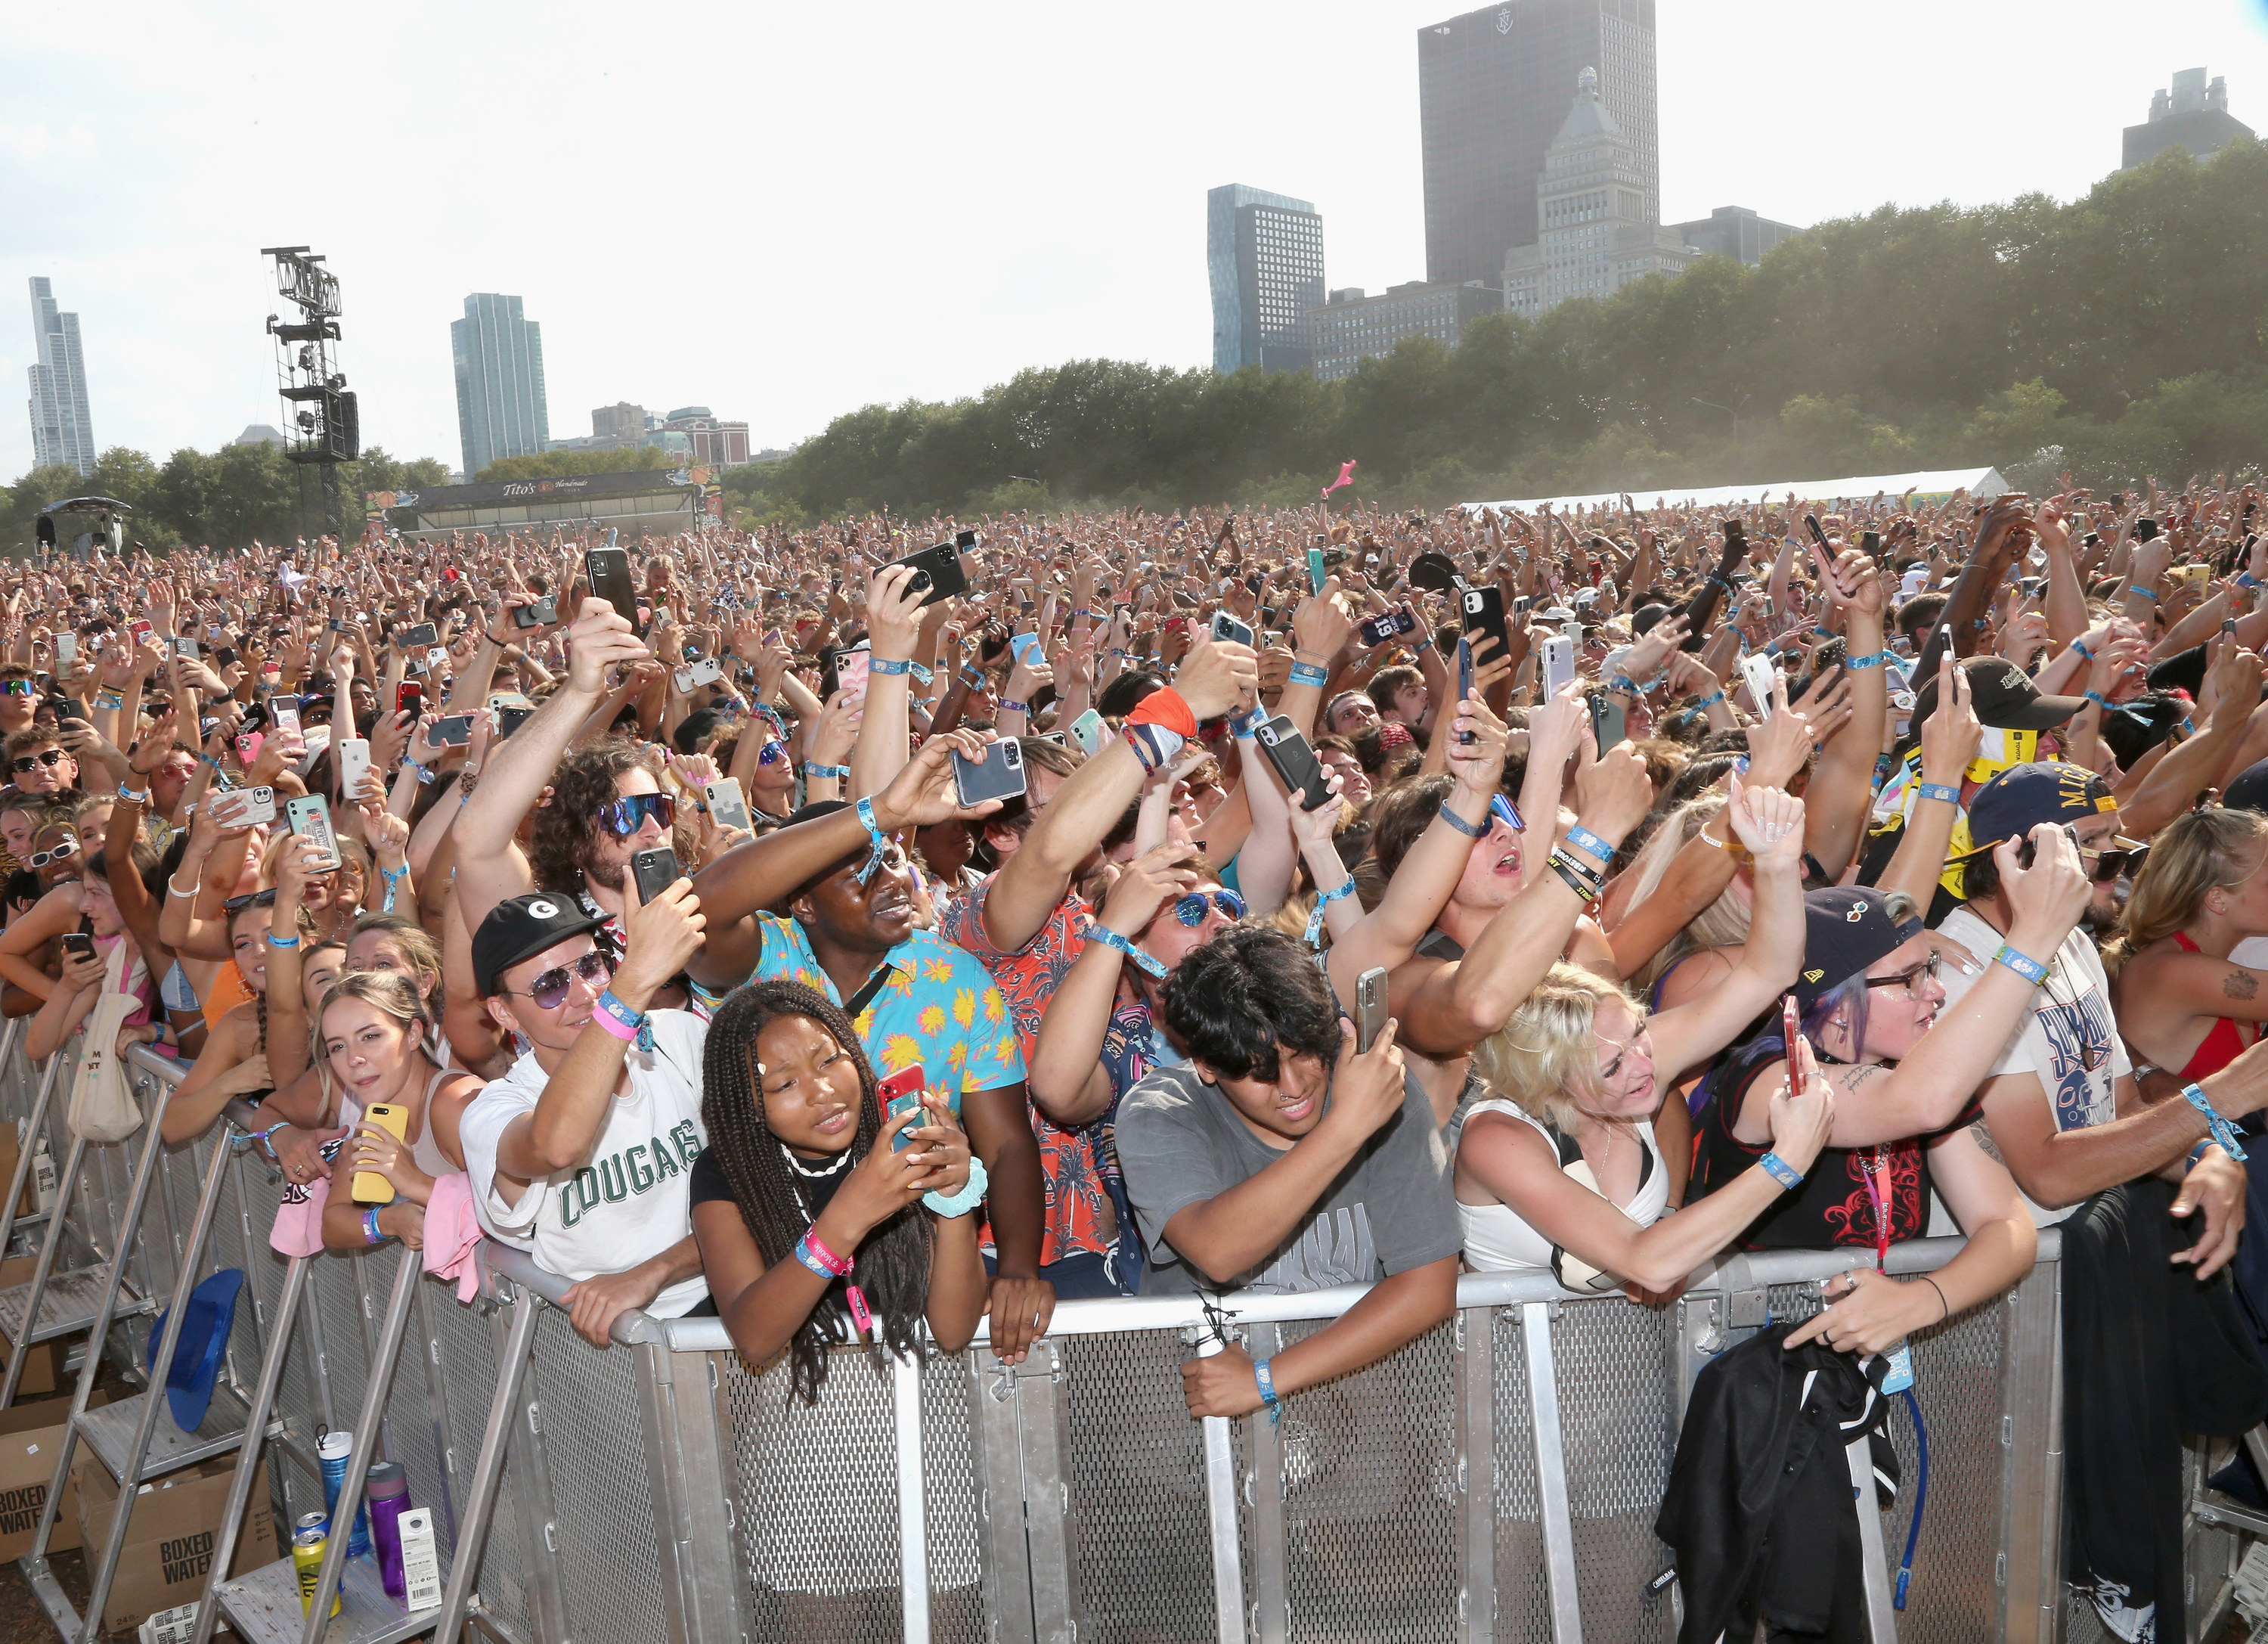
pixel 1180 1142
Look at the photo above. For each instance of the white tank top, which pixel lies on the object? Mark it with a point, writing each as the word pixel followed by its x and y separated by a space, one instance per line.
pixel 1496 1238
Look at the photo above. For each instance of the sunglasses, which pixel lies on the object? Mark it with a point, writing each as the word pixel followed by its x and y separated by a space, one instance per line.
pixel 1191 910
pixel 549 989
pixel 53 757
pixel 63 852
pixel 19 688
pixel 2102 866
pixel 624 816
pixel 253 899
pixel 771 753
pixel 1506 812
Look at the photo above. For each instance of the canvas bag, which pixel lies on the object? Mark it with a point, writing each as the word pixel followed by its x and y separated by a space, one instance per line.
pixel 102 1105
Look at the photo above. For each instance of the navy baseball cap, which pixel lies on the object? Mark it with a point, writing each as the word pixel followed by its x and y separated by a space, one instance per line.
pixel 1846 929
pixel 2022 797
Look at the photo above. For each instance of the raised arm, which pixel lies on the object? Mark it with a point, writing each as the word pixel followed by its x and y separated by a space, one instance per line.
pixel 1770 824
pixel 894 617
pixel 1842 786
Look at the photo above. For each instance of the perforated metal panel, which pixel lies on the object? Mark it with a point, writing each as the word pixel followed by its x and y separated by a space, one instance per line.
pixel 1523 1594
pixel 609 1557
pixel 950 1505
pixel 1615 1402
pixel 335 1287
pixel 468 1346
pixel 1370 1502
pixel 1954 1596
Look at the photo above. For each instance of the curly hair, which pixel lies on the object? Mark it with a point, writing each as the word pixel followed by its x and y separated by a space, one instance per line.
pixel 562 852
pixel 894 1262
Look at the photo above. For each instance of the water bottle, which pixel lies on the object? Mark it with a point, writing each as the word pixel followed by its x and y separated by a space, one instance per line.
pixel 388 1494
pixel 334 1450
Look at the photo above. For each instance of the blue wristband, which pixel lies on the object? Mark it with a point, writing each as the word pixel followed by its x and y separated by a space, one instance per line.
pixel 287 941
pixel 803 1254
pixel 1583 839
pixel 888 668
pixel 1858 665
pixel 2031 969
pixel 1625 683
pixel 2223 1131
pixel 1937 791
pixel 1782 1172
pixel 1249 726
pixel 371 1233
pixel 2197 1154
pixel 1710 702
pixel 2079 645
pixel 2097 698
pixel 2148 594
pixel 921 673
pixel 640 1026
pixel 1471 830
pixel 1309 674
pixel 1315 919
pixel 1110 938
pixel 878 840
pixel 2246 580
pixel 1267 1385
pixel 812 769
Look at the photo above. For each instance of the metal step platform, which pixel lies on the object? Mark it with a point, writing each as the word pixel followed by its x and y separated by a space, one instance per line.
pixel 263 1607
pixel 108 1431
pixel 68 1306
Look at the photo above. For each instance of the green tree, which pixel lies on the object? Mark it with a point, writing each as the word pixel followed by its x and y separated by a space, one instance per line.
pixel 558 464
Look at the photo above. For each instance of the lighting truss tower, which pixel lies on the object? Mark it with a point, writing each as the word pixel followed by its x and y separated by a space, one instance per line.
pixel 321 423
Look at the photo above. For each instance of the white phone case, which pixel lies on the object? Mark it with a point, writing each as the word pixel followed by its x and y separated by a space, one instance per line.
pixel 1756 668
pixel 1559 664
pixel 354 765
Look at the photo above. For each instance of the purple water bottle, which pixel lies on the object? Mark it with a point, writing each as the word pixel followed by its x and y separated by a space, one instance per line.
pixel 388 1492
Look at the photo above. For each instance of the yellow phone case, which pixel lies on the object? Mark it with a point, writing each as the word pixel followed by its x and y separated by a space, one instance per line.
pixel 370 1188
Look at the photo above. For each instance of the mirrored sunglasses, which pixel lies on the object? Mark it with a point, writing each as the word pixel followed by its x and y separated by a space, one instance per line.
pixel 22 765
pixel 624 816
pixel 1192 909
pixel 549 989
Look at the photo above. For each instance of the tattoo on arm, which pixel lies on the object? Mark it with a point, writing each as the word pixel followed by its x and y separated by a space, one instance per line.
pixel 1861 1073
pixel 2239 983
pixel 1983 1132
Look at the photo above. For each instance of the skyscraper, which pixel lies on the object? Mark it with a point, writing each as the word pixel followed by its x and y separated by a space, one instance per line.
pixel 1265 254
pixel 500 405
pixel 2189 113
pixel 63 429
pixel 1491 93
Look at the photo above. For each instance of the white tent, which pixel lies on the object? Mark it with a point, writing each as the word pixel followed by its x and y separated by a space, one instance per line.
pixel 1933 486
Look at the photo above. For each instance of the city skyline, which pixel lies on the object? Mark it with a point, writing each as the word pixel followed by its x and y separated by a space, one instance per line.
pixel 166 276
pixel 502 408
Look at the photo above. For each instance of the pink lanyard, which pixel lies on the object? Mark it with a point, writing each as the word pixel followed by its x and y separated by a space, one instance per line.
pixel 1871 1165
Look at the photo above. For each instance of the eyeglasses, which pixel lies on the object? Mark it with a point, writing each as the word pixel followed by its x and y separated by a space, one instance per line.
pixel 1910 979
pixel 624 816
pixel 63 852
pixel 53 757
pixel 549 990
pixel 253 899
pixel 1192 909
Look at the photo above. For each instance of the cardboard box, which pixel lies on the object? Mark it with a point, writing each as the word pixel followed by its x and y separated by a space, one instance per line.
pixel 43 1368
pixel 29 1433
pixel 169 1540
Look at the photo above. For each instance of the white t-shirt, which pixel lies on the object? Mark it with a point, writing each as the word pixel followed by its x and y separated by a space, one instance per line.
pixel 632 1198
pixel 2069 1040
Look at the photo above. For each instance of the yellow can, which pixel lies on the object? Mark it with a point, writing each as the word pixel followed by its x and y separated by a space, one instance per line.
pixel 308 1540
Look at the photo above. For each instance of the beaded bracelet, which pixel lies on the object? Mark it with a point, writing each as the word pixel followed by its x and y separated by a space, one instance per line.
pixel 2031 969
pixel 1786 1175
pixel 2223 1132
pixel 1309 674
pixel 1937 791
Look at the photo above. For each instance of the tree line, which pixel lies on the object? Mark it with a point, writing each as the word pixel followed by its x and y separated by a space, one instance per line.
pixel 2119 334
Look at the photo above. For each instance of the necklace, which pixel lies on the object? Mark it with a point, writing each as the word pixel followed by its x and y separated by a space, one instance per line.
pixel 798 1166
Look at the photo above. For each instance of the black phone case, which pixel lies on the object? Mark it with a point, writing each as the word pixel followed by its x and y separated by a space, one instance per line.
pixel 941 564
pixel 609 570
pixel 654 871
pixel 1483 613
pixel 1283 746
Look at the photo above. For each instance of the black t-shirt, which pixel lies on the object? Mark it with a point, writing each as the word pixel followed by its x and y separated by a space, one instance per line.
pixel 1833 1206
pixel 706 1182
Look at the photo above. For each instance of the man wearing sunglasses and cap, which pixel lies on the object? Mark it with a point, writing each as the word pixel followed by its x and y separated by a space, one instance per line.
pixel 2060 1108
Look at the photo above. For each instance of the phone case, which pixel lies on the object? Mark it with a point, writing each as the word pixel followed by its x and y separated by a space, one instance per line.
pixel 901 1091
pixel 726 803
pixel 354 765
pixel 246 807
pixel 1227 628
pixel 1284 747
pixel 1757 670
pixel 851 671
pixel 1088 734
pixel 1559 664
pixel 1369 1008
pixel 370 1188
pixel 455 731
pixel 655 872
pixel 608 570
pixel 999 776
pixel 311 814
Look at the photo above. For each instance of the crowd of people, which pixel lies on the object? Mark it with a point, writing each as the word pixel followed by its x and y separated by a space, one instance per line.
pixel 1211 903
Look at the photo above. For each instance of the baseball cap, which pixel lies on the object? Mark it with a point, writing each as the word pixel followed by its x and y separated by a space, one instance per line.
pixel 520 927
pixel 1846 929
pixel 2250 791
pixel 2022 797
pixel 2003 696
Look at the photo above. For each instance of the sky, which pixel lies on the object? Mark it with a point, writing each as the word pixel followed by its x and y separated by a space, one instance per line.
pixel 785 213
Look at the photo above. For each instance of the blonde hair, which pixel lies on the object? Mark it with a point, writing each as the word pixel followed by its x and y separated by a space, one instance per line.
pixel 390 992
pixel 1724 922
pixel 1546 1059
pixel 2190 856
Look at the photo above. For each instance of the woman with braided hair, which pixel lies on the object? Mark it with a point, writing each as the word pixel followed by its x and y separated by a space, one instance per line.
pixel 811 1208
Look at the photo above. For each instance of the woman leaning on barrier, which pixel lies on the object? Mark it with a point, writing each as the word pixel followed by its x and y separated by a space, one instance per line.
pixel 812 1210
pixel 1558 1168
pixel 371 1041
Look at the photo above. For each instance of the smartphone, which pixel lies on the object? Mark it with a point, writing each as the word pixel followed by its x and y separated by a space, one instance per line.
pixel 1226 627
pixel 1369 1008
pixel 248 746
pixel 420 636
pixel 1465 682
pixel 66 650
pixel 655 871
pixel 1088 734
pixel 183 645
pixel 850 672
pixel 1800 1061
pixel 900 1093
pixel 1025 648
pixel 2145 530
pixel 139 632
pixel 337 624
pixel 1559 664
pixel 454 731
pixel 1870 543
pixel 699 672
pixel 354 765
pixel 1484 613
pixel 543 612
pixel 1608 720
pixel 409 698
pixel 1283 746
pixel 370 1188
pixel 1000 775
pixel 1756 668
pixel 78 942
pixel 245 808
pixel 727 805
pixel 1317 573
pixel 310 813
pixel 510 720
pixel 284 713
pixel 938 572
pixel 1378 629
pixel 608 572
pixel 436 659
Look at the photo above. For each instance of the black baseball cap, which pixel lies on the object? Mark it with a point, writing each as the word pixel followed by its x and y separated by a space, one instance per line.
pixel 2003 696
pixel 520 927
pixel 2250 791
pixel 1846 929
pixel 2022 797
